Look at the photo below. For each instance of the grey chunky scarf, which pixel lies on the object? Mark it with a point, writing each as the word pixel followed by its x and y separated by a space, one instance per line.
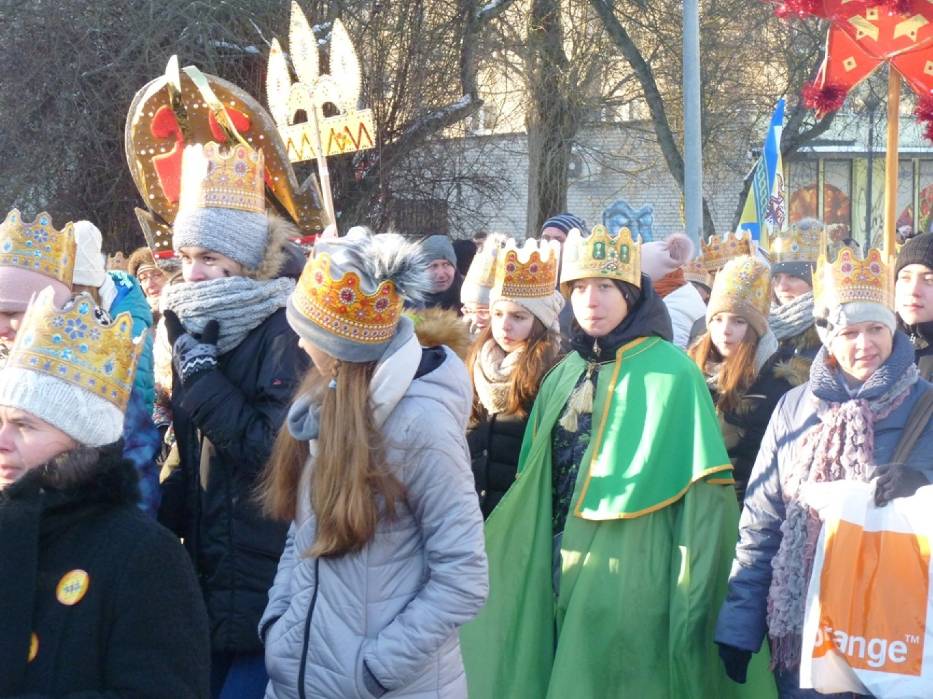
pixel 238 304
pixel 792 318
pixel 839 447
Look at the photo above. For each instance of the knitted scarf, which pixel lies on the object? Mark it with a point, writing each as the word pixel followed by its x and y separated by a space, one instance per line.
pixel 492 376
pixel 238 304
pixel 839 447
pixel 792 318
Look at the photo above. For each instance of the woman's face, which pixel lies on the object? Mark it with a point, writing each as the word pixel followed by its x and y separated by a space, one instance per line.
pixel 511 325
pixel 598 305
pixel 787 287
pixel 727 330
pixel 27 442
pixel 861 348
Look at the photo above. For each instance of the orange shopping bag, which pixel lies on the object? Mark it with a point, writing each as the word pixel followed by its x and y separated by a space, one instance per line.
pixel 868 626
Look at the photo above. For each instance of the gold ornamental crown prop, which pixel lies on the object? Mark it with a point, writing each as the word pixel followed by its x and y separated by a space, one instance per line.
pixel 717 251
pixel 482 271
pixel 38 246
pixel 744 282
pixel 695 271
pixel 80 345
pixel 600 254
pixel 796 245
pixel 527 272
pixel 214 177
pixel 851 279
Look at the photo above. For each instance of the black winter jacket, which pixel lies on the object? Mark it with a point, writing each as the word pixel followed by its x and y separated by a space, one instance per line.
pixel 495 443
pixel 225 425
pixel 131 623
pixel 921 337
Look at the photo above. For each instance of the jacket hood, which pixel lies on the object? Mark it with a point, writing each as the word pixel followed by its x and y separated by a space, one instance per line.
pixel 438 326
pixel 448 387
pixel 277 259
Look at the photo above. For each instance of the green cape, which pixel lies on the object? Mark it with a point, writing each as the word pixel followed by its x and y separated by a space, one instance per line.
pixel 646 550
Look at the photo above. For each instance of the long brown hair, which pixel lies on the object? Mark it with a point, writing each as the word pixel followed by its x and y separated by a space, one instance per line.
pixel 350 480
pixel 737 372
pixel 541 351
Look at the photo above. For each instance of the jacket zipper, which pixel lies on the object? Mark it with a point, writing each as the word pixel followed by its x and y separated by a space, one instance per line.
pixel 302 668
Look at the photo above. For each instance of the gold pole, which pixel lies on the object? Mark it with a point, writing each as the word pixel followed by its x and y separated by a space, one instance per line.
pixel 891 162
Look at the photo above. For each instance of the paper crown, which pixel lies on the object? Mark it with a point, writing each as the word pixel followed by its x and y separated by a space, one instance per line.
pixel 743 283
pixel 853 279
pixel 716 252
pixel 601 255
pixel 214 177
pixel 342 307
pixel 527 272
pixel 695 271
pixel 796 245
pixel 80 345
pixel 38 246
pixel 482 271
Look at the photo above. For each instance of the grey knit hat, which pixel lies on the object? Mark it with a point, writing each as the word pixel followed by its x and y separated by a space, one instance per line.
pixel 349 299
pixel 439 247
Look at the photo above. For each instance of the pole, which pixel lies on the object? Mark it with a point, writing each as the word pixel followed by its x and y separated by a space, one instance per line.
pixel 891 162
pixel 323 172
pixel 870 173
pixel 693 156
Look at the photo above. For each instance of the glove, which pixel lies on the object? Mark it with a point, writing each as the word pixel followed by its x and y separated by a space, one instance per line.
pixel 192 356
pixel 897 481
pixel 735 660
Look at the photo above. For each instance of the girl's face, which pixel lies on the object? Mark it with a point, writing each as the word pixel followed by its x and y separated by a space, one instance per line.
pixel 200 264
pixel 598 305
pixel 322 362
pixel 27 442
pixel 787 287
pixel 511 325
pixel 727 330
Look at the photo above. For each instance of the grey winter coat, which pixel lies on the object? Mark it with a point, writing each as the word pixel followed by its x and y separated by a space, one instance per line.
pixel 743 618
pixel 398 603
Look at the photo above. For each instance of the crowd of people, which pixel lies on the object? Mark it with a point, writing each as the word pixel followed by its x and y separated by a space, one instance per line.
pixel 565 467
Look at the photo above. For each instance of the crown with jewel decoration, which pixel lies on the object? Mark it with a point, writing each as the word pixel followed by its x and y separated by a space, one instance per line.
pixel 80 345
pixel 601 255
pixel 527 272
pixel 482 272
pixel 743 284
pixel 695 271
pixel 796 245
pixel 342 307
pixel 227 178
pixel 716 252
pixel 38 246
pixel 851 278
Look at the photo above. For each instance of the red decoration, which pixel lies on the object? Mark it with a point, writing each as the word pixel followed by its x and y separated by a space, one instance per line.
pixel 827 98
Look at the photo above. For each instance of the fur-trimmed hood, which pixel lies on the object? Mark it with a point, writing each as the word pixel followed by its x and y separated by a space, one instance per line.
pixel 437 326
pixel 275 261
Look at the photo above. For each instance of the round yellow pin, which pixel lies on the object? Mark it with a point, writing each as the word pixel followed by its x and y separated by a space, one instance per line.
pixel 72 587
pixel 33 647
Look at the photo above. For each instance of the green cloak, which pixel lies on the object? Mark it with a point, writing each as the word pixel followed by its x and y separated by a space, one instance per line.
pixel 646 550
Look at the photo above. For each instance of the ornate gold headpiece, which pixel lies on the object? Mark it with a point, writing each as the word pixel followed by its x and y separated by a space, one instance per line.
pixel 38 246
pixel 695 271
pixel 796 245
pixel 743 283
pixel 718 251
pixel 78 344
pixel 601 255
pixel 212 178
pixel 342 307
pixel 482 271
pixel 527 272
pixel 852 279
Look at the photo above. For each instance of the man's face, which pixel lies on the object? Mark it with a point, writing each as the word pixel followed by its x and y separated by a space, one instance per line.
pixel 552 233
pixel 442 275
pixel 200 264
pixel 914 294
pixel 27 442
pixel 598 305
pixel 152 279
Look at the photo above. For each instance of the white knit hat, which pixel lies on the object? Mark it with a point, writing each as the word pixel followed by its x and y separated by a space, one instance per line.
pixel 661 257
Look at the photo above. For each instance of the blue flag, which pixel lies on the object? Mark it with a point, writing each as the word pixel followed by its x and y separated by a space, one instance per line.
pixel 765 208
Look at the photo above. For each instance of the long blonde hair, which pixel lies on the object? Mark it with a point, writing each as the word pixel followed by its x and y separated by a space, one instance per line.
pixel 350 479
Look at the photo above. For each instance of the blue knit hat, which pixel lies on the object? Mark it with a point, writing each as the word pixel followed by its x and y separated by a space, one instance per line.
pixel 565 222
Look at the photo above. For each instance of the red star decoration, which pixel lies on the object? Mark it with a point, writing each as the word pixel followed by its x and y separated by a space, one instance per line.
pixel 866 34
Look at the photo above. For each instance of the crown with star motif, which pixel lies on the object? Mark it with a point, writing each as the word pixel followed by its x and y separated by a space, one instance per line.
pixel 600 254
pixel 79 344
pixel 214 176
pixel 527 272
pixel 796 245
pixel 340 305
pixel 38 246
pixel 716 251
pixel 851 278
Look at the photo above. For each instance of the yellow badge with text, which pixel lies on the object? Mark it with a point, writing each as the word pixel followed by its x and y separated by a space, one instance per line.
pixel 72 587
pixel 33 647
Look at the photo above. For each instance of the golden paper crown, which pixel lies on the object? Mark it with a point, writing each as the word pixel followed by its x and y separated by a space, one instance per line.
pixel 482 271
pixel 341 306
pixel 38 246
pixel 853 279
pixel 796 245
pixel 695 271
pixel 716 252
pixel 527 272
pixel 79 344
pixel 601 255
pixel 744 283
pixel 212 177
